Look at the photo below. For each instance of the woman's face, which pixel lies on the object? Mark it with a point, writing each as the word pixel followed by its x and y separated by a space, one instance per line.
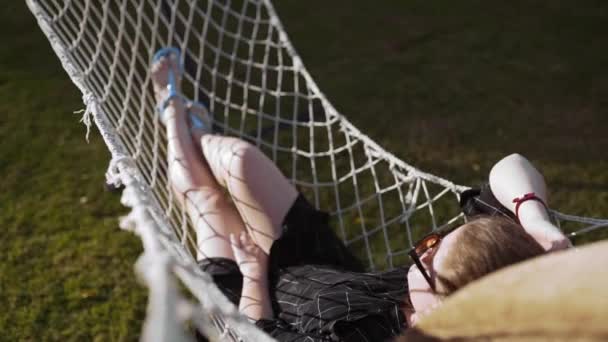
pixel 421 294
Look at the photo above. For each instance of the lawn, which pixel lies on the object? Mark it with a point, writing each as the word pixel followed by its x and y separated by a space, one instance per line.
pixel 456 86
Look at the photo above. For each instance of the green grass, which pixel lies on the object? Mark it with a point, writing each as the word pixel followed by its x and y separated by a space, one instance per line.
pixel 66 270
pixel 457 86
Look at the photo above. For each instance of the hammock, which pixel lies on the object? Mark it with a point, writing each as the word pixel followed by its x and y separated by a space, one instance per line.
pixel 241 64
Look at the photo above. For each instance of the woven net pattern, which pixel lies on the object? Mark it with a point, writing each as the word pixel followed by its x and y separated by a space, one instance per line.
pixel 241 64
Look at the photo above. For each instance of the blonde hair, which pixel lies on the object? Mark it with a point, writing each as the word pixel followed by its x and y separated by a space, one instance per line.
pixel 484 245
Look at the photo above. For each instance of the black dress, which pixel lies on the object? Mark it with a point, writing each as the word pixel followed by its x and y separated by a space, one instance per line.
pixel 318 290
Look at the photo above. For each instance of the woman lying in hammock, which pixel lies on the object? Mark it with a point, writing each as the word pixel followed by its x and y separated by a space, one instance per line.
pixel 274 255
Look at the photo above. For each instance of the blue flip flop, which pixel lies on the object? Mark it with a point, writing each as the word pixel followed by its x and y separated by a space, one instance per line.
pixel 197 122
pixel 171 86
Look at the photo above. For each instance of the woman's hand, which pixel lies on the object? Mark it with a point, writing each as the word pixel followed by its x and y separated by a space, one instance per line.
pixel 252 260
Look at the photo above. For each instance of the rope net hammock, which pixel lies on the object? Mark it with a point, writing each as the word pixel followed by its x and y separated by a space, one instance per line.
pixel 241 64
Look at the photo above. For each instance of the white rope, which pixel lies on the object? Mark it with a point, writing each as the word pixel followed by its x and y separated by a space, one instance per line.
pixel 240 60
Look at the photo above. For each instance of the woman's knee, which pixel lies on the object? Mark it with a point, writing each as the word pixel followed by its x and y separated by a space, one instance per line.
pixel 233 156
pixel 208 199
pixel 244 158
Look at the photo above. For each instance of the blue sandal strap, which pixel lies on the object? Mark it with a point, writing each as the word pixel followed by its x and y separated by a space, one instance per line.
pixel 196 121
pixel 172 95
pixel 164 52
pixel 172 84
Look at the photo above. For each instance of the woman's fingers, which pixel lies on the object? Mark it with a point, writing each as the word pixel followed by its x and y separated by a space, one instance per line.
pixel 237 247
pixel 252 261
pixel 247 240
pixel 243 245
pixel 248 243
pixel 245 249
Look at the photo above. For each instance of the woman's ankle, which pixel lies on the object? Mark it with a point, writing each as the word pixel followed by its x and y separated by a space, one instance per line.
pixel 535 218
pixel 532 210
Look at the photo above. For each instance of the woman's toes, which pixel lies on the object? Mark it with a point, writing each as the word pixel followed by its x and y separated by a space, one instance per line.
pixel 244 239
pixel 160 79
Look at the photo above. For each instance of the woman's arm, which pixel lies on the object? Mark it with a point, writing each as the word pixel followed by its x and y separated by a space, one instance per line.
pixel 513 177
pixel 253 263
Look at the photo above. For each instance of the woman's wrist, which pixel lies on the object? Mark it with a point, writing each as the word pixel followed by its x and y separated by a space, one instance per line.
pixel 258 278
pixel 259 270
pixel 255 298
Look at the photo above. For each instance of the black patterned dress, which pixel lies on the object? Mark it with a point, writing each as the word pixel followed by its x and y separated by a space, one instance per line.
pixel 319 291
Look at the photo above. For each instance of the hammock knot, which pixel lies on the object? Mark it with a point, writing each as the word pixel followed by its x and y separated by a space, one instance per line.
pixel 113 172
pixel 138 220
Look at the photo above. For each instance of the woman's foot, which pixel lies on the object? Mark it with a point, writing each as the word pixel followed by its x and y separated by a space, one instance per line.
pixel 166 74
pixel 183 159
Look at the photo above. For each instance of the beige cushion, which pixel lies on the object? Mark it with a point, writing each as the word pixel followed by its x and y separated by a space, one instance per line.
pixel 560 296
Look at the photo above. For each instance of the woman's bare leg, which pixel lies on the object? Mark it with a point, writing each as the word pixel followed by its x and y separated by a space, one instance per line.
pixel 210 210
pixel 258 189
pixel 514 176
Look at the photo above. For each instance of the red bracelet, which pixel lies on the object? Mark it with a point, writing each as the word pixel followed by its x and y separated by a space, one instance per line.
pixel 527 197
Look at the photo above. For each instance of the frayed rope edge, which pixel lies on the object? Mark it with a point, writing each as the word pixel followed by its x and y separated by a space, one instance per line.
pixel 87 117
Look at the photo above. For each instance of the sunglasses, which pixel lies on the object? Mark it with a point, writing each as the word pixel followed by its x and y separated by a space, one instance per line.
pixel 430 241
